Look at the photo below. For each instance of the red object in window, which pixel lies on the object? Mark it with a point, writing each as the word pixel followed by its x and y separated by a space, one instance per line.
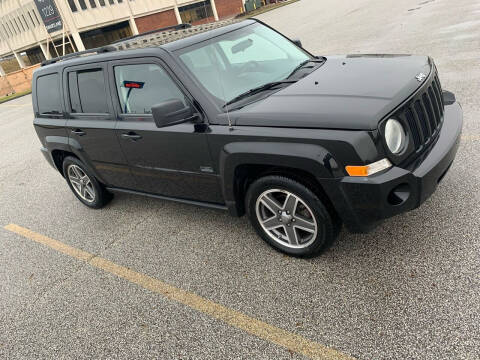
pixel 133 84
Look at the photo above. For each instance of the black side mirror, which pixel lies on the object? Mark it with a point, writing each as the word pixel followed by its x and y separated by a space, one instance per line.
pixel 171 112
pixel 297 42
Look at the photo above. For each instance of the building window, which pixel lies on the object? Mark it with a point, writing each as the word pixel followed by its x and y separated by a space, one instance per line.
pixel 10 24
pixel 82 4
pixel 35 55
pixel 36 17
pixel 18 21
pixel 31 18
pixel 6 32
pixel 195 12
pixel 106 35
pixel 73 7
pixel 25 22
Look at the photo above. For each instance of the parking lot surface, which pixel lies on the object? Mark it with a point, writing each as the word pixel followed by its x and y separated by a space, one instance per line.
pixel 146 278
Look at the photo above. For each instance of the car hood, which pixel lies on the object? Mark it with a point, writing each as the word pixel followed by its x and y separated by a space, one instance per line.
pixel 347 92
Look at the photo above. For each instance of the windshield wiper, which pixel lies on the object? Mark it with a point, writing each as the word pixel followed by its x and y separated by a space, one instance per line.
pixel 259 89
pixel 303 63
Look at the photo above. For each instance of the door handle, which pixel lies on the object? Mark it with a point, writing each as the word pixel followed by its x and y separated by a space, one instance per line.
pixel 131 136
pixel 79 132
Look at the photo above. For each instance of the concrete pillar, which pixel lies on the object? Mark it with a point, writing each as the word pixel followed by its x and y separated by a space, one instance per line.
pixel 2 72
pixel 214 9
pixel 19 60
pixel 131 19
pixel 78 41
pixel 133 25
pixel 177 13
pixel 45 52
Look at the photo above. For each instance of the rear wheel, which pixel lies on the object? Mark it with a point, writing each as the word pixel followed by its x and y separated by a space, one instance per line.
pixel 289 216
pixel 84 184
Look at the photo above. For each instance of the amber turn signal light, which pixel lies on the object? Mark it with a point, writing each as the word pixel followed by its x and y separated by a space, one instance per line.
pixel 367 170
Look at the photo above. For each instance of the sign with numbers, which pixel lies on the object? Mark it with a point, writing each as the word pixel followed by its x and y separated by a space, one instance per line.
pixel 50 15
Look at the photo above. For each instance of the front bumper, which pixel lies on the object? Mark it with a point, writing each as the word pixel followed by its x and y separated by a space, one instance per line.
pixel 363 202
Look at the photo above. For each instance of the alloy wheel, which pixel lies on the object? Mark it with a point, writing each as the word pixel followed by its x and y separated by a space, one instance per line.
pixel 286 218
pixel 81 183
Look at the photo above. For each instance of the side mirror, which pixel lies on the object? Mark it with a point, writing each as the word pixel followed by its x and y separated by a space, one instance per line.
pixel 297 42
pixel 171 112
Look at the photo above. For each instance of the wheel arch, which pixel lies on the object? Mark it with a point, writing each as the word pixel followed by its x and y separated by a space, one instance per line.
pixel 58 156
pixel 243 163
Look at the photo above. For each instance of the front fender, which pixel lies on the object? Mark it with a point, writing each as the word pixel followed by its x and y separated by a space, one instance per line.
pixel 310 158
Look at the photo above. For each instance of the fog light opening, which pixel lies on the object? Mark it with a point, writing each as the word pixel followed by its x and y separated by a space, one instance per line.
pixel 399 195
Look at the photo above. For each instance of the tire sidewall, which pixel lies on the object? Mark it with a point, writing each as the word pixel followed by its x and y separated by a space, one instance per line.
pixel 325 227
pixel 97 187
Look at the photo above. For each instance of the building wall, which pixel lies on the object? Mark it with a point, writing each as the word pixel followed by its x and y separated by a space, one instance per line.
pixel 228 8
pixel 156 21
pixel 17 81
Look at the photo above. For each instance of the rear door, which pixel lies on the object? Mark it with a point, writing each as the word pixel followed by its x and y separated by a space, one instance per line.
pixel 172 161
pixel 91 124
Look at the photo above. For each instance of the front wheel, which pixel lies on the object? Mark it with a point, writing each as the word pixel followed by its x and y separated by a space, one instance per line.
pixel 289 216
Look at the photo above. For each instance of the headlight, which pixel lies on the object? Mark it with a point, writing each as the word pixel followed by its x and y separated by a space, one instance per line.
pixel 394 136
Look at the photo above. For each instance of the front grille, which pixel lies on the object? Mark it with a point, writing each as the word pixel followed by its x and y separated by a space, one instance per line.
pixel 424 113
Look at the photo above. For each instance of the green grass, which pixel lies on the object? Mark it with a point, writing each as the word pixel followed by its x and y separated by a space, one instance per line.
pixel 264 9
pixel 14 96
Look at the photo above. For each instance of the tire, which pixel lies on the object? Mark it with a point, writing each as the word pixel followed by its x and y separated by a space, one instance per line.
pixel 305 230
pixel 84 185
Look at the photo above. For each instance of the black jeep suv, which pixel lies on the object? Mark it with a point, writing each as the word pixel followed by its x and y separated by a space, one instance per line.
pixel 242 118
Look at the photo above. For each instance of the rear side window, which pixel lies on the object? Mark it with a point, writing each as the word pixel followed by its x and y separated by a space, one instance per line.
pixel 48 94
pixel 87 91
pixel 141 86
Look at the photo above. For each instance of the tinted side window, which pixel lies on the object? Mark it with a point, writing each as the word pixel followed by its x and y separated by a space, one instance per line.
pixel 92 91
pixel 48 94
pixel 141 86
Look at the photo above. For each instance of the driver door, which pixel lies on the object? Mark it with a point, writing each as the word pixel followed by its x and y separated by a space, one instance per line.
pixel 165 161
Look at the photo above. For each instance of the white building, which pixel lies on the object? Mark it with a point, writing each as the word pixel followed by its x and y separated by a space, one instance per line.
pixel 93 23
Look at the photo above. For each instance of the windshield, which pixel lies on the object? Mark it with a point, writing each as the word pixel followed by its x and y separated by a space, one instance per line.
pixel 233 63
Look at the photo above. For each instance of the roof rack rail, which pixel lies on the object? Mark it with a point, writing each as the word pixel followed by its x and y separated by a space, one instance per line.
pixel 93 51
pixel 173 27
pixel 169 34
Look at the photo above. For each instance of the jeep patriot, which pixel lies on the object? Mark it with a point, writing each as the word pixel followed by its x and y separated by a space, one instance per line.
pixel 236 116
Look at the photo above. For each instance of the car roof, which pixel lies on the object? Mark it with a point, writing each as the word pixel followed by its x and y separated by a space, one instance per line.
pixel 150 44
